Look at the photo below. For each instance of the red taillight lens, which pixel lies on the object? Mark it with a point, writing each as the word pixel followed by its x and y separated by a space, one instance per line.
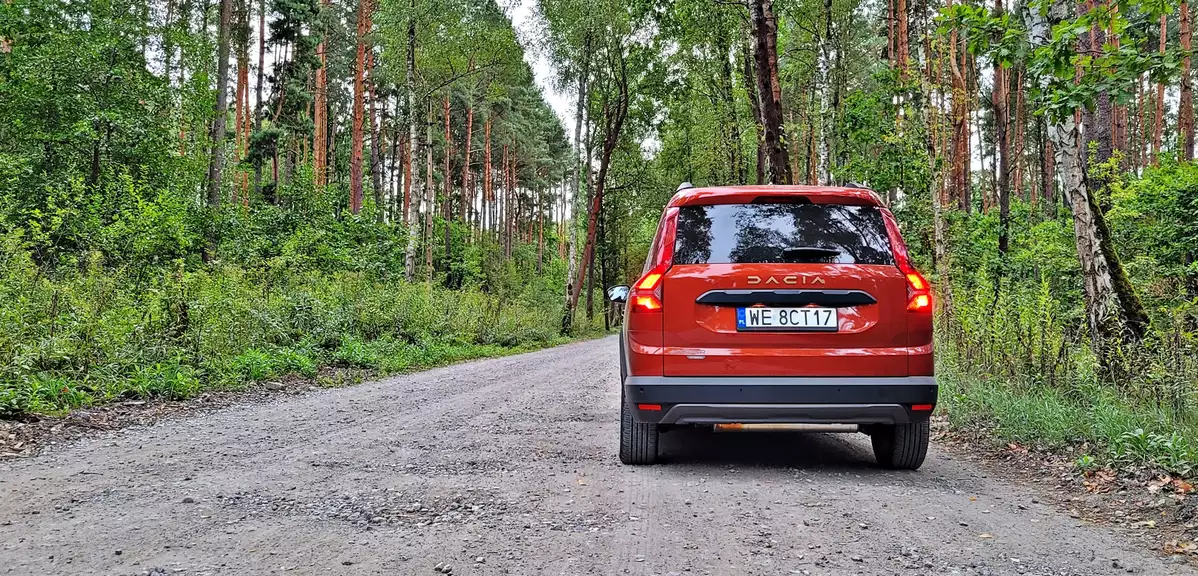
pixel 916 282
pixel 646 293
pixel 650 281
pixel 919 292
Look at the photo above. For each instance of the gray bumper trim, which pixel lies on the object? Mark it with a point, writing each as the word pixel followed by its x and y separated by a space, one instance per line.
pixel 786 414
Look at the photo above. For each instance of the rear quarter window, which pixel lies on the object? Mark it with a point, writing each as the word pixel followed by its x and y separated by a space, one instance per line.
pixel 781 233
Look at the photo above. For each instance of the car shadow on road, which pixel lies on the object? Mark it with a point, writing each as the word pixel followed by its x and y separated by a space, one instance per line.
pixel 846 452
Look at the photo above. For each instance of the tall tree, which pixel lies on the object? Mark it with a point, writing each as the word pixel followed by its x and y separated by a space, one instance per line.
pixel 413 136
pixel 1185 107
pixel 1158 123
pixel 1113 309
pixel 217 134
pixel 320 142
pixel 765 51
pixel 1001 102
pixel 359 111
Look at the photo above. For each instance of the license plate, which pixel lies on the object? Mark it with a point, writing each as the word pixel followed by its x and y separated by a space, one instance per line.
pixel 811 319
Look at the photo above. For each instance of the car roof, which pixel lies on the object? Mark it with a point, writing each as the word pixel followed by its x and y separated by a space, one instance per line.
pixel 749 194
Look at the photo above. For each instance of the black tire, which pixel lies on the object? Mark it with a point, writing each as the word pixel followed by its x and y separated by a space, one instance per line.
pixel 638 441
pixel 902 446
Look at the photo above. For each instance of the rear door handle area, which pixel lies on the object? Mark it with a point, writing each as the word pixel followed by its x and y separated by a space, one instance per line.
pixel 828 298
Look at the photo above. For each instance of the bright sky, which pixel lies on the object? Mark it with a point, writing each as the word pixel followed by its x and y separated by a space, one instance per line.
pixel 525 19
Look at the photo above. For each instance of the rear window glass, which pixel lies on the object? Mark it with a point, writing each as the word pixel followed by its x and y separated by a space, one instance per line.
pixel 781 233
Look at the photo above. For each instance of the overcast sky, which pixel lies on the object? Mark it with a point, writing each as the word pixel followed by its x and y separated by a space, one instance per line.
pixel 524 18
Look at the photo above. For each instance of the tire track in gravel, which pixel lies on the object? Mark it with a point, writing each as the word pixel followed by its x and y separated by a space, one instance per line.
pixel 512 460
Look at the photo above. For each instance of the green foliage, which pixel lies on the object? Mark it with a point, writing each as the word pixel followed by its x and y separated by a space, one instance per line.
pixel 97 332
pixel 1014 355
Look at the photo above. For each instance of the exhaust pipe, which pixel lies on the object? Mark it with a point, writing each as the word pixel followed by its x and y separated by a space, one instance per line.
pixel 785 427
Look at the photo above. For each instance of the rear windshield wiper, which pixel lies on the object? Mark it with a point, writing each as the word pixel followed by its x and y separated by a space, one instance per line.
pixel 813 252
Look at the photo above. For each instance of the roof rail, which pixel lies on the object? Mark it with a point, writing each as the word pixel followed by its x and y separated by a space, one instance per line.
pixel 684 186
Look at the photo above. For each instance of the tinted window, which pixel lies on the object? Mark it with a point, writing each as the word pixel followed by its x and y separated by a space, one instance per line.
pixel 781 233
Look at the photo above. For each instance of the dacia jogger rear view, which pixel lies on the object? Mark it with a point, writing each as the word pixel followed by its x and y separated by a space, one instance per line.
pixel 762 306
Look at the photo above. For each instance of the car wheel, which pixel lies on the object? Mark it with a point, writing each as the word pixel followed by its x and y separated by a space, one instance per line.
pixel 638 441
pixel 902 446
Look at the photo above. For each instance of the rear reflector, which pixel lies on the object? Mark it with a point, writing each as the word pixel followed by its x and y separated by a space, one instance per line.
pixel 922 407
pixel 649 407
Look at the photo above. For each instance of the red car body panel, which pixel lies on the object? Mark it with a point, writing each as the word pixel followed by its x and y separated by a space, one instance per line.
pixel 681 337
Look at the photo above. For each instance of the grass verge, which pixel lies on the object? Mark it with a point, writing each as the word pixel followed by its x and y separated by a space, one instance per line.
pixel 95 335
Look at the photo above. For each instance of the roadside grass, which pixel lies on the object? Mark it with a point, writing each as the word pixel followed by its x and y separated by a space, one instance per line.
pixel 98 335
pixel 1124 426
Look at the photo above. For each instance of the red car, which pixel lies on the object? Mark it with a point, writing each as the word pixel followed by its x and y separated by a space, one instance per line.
pixel 768 305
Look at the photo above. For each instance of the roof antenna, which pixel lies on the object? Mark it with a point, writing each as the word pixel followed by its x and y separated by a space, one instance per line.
pixel 852 184
pixel 684 186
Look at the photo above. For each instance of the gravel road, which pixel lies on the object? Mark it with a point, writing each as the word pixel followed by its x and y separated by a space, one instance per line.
pixel 508 466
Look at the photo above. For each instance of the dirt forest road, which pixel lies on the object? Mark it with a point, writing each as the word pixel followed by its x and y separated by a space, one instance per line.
pixel 508 466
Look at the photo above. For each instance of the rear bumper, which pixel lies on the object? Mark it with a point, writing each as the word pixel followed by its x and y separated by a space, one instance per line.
pixel 715 400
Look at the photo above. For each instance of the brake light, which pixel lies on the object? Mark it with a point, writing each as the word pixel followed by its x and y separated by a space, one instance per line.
pixel 650 281
pixel 646 304
pixel 919 294
pixel 646 294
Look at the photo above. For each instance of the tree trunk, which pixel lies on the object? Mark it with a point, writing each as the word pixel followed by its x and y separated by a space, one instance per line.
pixel 398 152
pixel 320 141
pixel 613 122
pixel 571 259
pixel 429 205
pixel 935 148
pixel 217 136
pixel 1017 150
pixel 447 206
pixel 483 216
pixel 999 98
pixel 1048 161
pixel 1185 109
pixel 359 112
pixel 412 184
pixel 732 123
pixel 376 140
pixel 824 73
pixel 467 192
pixel 239 112
pixel 1111 303
pixel 960 171
pixel 467 198
pixel 748 78
pixel 1097 124
pixel 1158 125
pixel 260 113
pixel 540 231
pixel 765 49
pixel 902 43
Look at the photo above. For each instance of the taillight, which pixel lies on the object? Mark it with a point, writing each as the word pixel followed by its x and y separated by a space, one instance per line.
pixel 919 292
pixel 646 294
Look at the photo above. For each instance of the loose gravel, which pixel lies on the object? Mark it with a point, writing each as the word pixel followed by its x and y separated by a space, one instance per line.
pixel 508 466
